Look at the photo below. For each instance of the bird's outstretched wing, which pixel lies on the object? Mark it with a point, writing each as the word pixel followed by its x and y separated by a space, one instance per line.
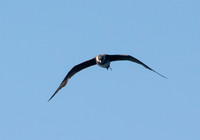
pixel 73 71
pixel 130 58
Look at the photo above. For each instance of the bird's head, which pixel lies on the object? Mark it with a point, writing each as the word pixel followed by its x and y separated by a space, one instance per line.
pixel 100 59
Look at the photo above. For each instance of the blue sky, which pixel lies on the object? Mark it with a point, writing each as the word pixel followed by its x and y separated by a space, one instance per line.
pixel 40 41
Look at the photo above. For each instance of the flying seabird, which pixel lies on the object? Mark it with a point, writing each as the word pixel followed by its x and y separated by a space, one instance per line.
pixel 102 60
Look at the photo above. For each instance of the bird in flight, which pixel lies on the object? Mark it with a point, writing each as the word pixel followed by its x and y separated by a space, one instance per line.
pixel 102 60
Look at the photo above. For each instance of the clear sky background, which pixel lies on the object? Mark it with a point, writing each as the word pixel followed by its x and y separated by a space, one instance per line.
pixel 41 40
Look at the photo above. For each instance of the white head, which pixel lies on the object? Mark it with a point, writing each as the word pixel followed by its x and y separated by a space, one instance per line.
pixel 100 59
pixel 103 61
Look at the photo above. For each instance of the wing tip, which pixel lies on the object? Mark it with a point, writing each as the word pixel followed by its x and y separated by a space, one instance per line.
pixel 160 74
pixel 52 96
pixel 61 86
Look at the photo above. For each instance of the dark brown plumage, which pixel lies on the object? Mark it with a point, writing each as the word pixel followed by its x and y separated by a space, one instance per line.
pixel 102 60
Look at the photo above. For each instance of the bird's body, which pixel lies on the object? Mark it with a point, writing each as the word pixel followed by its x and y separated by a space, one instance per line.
pixel 102 60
